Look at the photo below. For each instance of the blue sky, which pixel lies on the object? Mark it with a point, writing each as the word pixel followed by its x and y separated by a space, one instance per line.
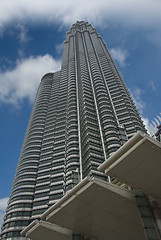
pixel 31 40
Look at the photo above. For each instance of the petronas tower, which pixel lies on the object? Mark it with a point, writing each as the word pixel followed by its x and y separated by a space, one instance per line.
pixel 82 114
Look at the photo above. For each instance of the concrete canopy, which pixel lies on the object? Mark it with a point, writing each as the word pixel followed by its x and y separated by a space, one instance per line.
pixel 38 230
pixel 138 163
pixel 95 209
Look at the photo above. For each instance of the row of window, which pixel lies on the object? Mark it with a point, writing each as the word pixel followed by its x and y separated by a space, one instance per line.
pixel 11 235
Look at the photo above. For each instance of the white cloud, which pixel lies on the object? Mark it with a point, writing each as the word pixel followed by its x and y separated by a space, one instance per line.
pixel 138 12
pixel 18 30
pixel 152 85
pixel 1 217
pixel 59 48
pixel 3 205
pixel 146 123
pixel 22 82
pixel 140 104
pixel 137 97
pixel 22 36
pixel 119 55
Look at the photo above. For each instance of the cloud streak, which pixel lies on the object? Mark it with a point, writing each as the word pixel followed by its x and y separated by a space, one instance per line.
pixel 136 95
pixel 3 205
pixel 142 12
pixel 22 82
pixel 22 36
pixel 151 84
pixel 119 55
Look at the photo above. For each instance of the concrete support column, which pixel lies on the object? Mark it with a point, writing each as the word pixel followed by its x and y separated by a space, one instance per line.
pixel 147 216
pixel 156 211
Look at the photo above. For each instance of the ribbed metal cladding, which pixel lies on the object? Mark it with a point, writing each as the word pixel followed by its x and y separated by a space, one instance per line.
pixel 82 114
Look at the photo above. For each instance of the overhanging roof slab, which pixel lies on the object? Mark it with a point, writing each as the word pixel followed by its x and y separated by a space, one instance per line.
pixel 40 230
pixel 138 163
pixel 98 209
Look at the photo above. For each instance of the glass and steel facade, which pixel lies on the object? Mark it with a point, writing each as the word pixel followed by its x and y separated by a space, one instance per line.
pixel 81 115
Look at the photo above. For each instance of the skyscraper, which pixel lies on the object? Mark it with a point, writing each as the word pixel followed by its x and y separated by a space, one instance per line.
pixel 81 115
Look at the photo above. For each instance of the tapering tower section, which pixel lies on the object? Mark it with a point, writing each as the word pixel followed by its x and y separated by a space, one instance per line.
pixel 107 115
pixel 82 114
